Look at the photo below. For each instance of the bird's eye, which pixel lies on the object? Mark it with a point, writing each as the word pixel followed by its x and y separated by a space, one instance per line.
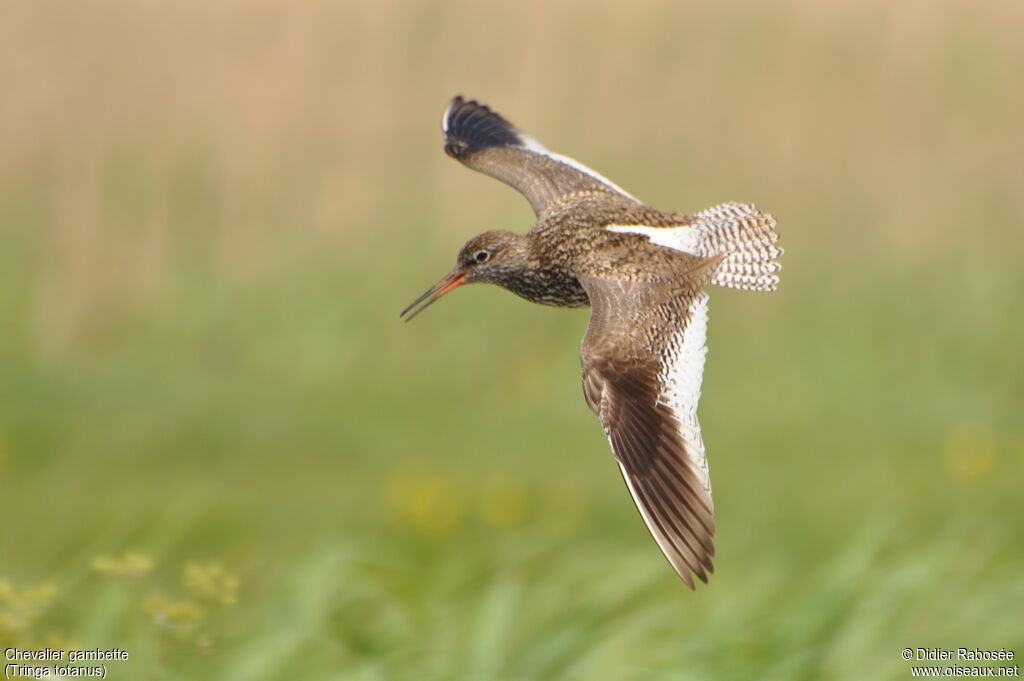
pixel 482 256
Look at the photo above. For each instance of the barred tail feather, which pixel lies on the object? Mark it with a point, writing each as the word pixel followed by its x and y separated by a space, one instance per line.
pixel 746 237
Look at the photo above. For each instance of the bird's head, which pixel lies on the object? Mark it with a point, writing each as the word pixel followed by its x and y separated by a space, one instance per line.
pixel 493 257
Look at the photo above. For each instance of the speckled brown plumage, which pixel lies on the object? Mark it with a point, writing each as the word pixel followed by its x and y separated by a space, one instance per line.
pixel 643 273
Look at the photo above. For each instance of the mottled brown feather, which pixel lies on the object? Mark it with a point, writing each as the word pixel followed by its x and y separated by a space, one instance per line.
pixel 623 353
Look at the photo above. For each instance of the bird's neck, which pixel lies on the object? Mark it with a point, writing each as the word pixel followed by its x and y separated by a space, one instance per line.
pixel 541 281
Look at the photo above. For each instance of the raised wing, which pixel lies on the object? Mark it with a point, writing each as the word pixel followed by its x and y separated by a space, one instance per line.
pixel 643 361
pixel 484 141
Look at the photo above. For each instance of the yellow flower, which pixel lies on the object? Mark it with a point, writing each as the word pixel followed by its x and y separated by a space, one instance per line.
pixel 174 615
pixel 129 564
pixel 20 607
pixel 58 641
pixel 426 502
pixel 210 581
pixel 970 452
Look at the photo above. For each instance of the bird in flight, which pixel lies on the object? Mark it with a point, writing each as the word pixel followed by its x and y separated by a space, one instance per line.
pixel 643 272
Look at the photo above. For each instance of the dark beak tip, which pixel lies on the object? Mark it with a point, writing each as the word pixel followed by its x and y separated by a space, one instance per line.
pixel 434 293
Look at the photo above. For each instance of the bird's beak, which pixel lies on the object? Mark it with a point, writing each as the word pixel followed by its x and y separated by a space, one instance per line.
pixel 449 283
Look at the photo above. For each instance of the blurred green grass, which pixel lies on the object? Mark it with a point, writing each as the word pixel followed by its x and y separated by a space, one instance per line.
pixel 208 226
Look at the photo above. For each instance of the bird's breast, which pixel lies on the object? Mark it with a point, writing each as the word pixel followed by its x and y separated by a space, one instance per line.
pixel 549 287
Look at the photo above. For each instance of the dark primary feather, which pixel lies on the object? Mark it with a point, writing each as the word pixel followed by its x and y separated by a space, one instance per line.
pixel 484 141
pixel 470 126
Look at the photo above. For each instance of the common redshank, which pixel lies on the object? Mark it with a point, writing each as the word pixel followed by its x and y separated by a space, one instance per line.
pixel 643 272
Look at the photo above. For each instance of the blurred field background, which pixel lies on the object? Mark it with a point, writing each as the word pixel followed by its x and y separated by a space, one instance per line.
pixel 221 451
